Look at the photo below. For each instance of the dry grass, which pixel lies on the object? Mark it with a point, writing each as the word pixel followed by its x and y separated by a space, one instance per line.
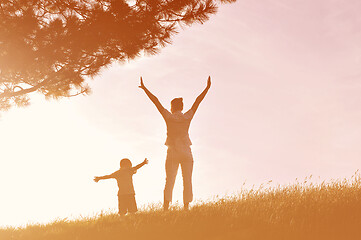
pixel 300 211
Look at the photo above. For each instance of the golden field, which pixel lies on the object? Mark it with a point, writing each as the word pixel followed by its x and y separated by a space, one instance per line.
pixel 329 210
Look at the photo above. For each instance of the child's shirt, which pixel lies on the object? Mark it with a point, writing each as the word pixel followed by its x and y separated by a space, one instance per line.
pixel 124 177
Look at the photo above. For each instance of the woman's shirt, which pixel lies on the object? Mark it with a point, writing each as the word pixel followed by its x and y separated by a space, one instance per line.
pixel 177 128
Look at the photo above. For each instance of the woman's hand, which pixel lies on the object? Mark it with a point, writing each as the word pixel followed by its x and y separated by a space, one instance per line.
pixel 209 82
pixel 142 84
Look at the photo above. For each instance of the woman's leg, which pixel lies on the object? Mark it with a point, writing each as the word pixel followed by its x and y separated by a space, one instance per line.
pixel 187 170
pixel 171 169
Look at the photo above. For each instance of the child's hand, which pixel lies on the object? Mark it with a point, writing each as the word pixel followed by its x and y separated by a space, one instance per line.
pixel 145 161
pixel 96 179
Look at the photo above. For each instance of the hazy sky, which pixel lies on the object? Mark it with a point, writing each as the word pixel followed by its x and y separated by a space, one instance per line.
pixel 285 103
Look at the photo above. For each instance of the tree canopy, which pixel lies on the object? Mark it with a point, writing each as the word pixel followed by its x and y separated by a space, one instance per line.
pixel 52 46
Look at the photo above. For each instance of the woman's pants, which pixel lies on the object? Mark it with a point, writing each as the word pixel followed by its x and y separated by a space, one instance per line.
pixel 184 158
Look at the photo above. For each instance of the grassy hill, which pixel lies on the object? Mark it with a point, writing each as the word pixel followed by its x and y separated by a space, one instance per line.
pixel 300 211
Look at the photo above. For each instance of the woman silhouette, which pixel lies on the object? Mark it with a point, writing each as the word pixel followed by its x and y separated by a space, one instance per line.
pixel 178 143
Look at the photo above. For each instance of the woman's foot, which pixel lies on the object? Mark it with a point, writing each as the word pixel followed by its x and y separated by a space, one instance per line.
pixel 186 206
pixel 166 205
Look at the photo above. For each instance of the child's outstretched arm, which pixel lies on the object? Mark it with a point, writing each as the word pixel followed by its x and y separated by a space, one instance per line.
pixel 141 164
pixel 96 179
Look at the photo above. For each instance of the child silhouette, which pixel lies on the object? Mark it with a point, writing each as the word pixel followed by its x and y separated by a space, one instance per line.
pixel 124 177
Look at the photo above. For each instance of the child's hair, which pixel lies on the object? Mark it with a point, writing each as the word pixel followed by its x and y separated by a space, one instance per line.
pixel 125 162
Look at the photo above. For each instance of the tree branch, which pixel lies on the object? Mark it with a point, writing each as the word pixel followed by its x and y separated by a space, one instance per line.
pixel 7 94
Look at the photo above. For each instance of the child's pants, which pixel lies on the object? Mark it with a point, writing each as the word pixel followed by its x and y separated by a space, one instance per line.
pixel 127 203
pixel 185 159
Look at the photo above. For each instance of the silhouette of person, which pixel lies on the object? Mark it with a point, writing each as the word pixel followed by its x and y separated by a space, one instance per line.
pixel 124 177
pixel 178 143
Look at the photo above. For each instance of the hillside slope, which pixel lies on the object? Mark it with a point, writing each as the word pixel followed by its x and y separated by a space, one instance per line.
pixel 301 211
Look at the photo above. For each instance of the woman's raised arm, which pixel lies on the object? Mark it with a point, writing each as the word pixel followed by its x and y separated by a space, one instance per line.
pixel 201 96
pixel 153 98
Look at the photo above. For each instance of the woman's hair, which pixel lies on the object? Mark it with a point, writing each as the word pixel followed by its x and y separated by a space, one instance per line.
pixel 176 104
pixel 125 162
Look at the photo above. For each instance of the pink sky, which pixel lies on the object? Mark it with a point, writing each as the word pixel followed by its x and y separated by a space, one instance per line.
pixel 284 104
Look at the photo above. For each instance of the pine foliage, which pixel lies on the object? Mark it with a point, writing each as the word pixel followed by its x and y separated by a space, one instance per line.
pixel 52 46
